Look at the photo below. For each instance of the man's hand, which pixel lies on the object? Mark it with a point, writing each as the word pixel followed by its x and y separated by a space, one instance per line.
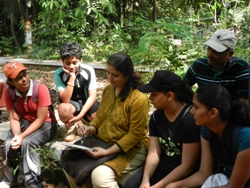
pixel 16 142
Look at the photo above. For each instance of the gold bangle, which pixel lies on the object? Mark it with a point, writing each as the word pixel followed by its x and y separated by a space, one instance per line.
pixel 70 84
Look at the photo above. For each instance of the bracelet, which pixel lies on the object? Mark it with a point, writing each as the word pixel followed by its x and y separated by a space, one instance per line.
pixel 70 84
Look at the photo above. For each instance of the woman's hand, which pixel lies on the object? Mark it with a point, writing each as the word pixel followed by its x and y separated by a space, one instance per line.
pixel 87 130
pixel 145 184
pixel 97 152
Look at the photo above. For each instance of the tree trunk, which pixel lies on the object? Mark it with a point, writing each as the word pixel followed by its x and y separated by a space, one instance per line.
pixel 119 11
pixel 154 10
pixel 12 30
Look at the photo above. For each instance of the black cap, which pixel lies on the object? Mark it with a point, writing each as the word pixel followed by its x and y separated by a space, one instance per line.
pixel 163 81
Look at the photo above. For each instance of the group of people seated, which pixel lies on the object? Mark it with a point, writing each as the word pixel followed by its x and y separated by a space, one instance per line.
pixel 192 139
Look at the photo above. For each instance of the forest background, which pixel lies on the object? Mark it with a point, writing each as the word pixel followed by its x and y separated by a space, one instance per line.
pixel 160 34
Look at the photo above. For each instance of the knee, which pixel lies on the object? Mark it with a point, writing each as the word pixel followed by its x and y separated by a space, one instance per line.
pixel 92 116
pixel 135 179
pixel 103 176
pixel 29 143
pixel 98 175
pixel 65 110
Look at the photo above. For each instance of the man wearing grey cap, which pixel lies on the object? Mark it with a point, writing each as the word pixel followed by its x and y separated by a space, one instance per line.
pixel 221 66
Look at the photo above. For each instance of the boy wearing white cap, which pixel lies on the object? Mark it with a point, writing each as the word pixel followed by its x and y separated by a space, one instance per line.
pixel 221 66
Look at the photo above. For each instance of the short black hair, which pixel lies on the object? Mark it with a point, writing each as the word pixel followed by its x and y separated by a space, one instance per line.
pixel 71 49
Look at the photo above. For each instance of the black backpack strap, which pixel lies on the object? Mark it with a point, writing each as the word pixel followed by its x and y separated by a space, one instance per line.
pixel 249 87
pixel 208 134
pixel 12 94
pixel 235 137
pixel 35 91
pixel 236 133
pixel 86 88
pixel 234 145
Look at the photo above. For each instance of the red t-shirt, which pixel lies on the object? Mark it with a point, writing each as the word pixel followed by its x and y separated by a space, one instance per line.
pixel 28 110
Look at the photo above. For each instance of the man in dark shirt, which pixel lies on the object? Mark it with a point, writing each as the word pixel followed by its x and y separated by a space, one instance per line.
pixel 221 66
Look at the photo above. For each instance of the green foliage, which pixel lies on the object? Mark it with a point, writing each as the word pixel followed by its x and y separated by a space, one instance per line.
pixel 99 8
pixel 16 161
pixel 49 163
pixel 104 42
pixel 7 47
pixel 167 45
pixel 49 159
pixel 146 77
pixel 243 44
pixel 79 21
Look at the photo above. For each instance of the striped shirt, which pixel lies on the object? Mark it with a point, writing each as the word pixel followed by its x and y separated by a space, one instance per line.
pixel 234 77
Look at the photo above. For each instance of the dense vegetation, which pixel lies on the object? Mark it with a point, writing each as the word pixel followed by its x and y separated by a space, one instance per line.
pixel 158 33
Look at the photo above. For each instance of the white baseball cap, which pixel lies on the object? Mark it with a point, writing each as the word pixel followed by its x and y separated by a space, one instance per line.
pixel 222 40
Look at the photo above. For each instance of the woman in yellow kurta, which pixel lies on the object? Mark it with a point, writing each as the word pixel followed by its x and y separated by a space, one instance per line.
pixel 121 121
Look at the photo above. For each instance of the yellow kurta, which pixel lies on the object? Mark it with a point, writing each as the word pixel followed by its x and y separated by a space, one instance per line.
pixel 122 123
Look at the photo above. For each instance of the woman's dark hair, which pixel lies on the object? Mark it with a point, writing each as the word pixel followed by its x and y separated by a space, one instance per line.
pixel 185 94
pixel 8 83
pixel 71 49
pixel 217 96
pixel 123 63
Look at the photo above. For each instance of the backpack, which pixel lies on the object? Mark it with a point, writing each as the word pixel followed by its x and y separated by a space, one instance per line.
pixel 72 159
pixel 34 97
pixel 249 87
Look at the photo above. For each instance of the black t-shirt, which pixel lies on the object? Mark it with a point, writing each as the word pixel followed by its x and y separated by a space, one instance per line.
pixel 172 135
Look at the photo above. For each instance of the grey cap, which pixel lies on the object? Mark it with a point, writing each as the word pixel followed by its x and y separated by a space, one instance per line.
pixel 222 40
